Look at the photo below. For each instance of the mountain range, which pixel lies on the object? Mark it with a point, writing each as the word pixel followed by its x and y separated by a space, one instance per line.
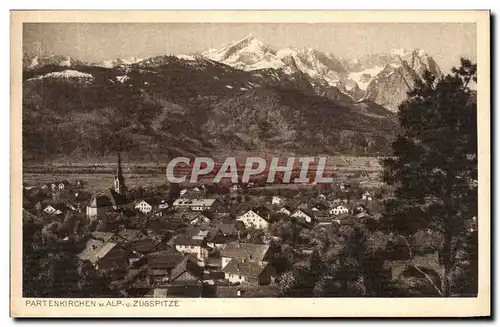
pixel 384 78
pixel 242 96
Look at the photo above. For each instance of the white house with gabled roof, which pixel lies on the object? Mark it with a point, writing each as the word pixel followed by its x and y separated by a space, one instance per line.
pixel 251 219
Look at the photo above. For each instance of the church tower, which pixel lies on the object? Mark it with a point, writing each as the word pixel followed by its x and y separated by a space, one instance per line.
pixel 120 187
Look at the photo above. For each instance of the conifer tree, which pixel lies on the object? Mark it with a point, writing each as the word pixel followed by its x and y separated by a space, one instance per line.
pixel 434 166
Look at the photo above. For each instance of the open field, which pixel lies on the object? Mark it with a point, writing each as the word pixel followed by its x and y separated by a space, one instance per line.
pixel 108 164
pixel 99 175
pixel 98 181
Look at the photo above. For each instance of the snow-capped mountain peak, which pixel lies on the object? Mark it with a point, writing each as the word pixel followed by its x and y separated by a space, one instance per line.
pixel 248 54
pixel 31 61
pixel 118 62
pixel 350 76
pixel 315 63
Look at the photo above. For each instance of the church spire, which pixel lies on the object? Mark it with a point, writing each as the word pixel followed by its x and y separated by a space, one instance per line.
pixel 119 179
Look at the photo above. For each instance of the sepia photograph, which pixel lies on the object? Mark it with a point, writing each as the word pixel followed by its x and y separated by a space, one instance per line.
pixel 160 162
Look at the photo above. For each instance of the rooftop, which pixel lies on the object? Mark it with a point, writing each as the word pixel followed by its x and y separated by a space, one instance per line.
pixel 95 250
pixel 186 265
pixel 187 240
pixel 245 267
pixel 245 251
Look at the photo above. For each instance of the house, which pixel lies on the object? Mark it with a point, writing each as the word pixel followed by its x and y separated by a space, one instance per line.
pixel 188 244
pixel 160 264
pixel 197 218
pixel 108 224
pixel 359 208
pixel 59 185
pixel 28 188
pixel 56 209
pixel 285 210
pixel 344 187
pixel 207 233
pixel 160 212
pixel 362 215
pixel 163 204
pixel 190 218
pixel 104 255
pixel 276 200
pixel 145 246
pixel 251 219
pixel 323 220
pixel 234 188
pixel 163 229
pixel 148 205
pixel 250 251
pixel 213 236
pixel 367 196
pixel 183 192
pixel 144 207
pixel 103 236
pixel 230 230
pixel 321 197
pixel 338 210
pixel 302 216
pixel 102 203
pixel 186 279
pixel 246 271
pixel 128 235
pixel 196 204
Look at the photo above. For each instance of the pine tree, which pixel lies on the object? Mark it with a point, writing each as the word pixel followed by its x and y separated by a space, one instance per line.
pixel 434 167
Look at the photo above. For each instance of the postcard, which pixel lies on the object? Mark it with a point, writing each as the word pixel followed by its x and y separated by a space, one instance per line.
pixel 250 164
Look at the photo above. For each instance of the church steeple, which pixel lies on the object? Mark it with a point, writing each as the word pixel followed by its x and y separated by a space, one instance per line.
pixel 119 179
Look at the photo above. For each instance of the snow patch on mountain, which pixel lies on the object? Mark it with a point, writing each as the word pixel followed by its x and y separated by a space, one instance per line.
pixel 364 77
pixel 118 62
pixel 186 57
pixel 67 74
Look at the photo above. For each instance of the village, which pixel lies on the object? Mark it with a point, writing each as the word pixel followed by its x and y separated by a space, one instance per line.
pixel 198 241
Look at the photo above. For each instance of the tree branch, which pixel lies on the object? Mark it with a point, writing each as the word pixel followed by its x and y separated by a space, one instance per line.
pixel 418 269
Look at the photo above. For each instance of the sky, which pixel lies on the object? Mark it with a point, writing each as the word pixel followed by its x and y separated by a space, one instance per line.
pixel 445 42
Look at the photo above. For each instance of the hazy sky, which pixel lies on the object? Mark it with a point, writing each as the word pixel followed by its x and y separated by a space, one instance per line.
pixel 445 42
